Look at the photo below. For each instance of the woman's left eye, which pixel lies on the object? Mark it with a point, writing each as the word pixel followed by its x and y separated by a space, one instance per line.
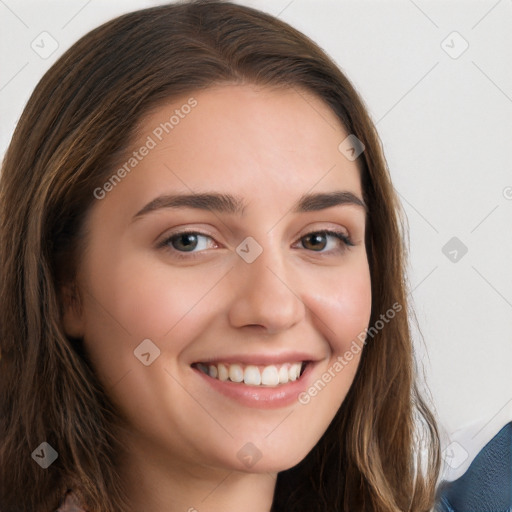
pixel 324 241
pixel 319 240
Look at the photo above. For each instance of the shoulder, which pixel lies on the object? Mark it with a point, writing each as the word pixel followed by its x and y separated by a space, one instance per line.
pixel 487 483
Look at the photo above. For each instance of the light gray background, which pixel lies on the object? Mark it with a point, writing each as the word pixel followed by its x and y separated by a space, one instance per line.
pixel 446 125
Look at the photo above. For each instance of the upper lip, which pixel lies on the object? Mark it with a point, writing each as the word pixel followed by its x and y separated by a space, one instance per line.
pixel 260 359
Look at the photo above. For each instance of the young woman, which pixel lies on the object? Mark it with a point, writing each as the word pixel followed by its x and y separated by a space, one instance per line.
pixel 202 278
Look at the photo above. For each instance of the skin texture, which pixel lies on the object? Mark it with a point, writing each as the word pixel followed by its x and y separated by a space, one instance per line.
pixel 269 147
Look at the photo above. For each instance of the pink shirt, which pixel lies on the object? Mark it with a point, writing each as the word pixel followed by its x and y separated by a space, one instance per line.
pixel 70 503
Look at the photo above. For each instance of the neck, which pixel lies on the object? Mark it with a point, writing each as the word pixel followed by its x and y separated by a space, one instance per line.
pixel 155 483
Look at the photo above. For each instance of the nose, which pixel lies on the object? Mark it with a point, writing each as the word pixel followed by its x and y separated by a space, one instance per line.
pixel 264 295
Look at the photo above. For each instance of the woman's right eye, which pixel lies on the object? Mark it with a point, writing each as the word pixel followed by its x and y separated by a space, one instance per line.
pixel 186 242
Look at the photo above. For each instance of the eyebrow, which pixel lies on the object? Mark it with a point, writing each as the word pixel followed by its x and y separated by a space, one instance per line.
pixel 227 203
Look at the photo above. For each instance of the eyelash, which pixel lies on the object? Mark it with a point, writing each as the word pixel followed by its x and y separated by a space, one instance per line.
pixel 345 239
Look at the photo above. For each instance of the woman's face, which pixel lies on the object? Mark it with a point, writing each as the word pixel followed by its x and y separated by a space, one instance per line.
pixel 256 290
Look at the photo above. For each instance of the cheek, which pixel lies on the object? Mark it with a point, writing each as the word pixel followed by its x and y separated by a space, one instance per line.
pixel 139 299
pixel 157 300
pixel 342 305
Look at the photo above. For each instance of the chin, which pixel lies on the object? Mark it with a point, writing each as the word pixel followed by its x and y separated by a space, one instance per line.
pixel 251 459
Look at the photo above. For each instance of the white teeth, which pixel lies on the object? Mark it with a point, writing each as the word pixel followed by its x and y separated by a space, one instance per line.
pixel 252 375
pixel 294 372
pixel 283 375
pixel 236 374
pixel 270 376
pixel 223 372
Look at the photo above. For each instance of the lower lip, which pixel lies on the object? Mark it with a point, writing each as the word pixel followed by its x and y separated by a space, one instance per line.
pixel 262 397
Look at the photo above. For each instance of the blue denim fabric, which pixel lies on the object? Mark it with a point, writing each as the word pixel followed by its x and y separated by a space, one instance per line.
pixel 487 484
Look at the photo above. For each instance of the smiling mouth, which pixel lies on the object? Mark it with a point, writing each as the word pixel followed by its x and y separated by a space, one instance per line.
pixel 254 375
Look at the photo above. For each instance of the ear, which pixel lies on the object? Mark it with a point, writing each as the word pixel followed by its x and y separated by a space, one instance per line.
pixel 72 311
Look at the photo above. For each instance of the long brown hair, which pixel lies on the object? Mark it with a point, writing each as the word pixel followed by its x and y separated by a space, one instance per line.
pixel 79 119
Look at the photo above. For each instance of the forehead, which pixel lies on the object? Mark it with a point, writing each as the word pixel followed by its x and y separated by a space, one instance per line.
pixel 255 141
